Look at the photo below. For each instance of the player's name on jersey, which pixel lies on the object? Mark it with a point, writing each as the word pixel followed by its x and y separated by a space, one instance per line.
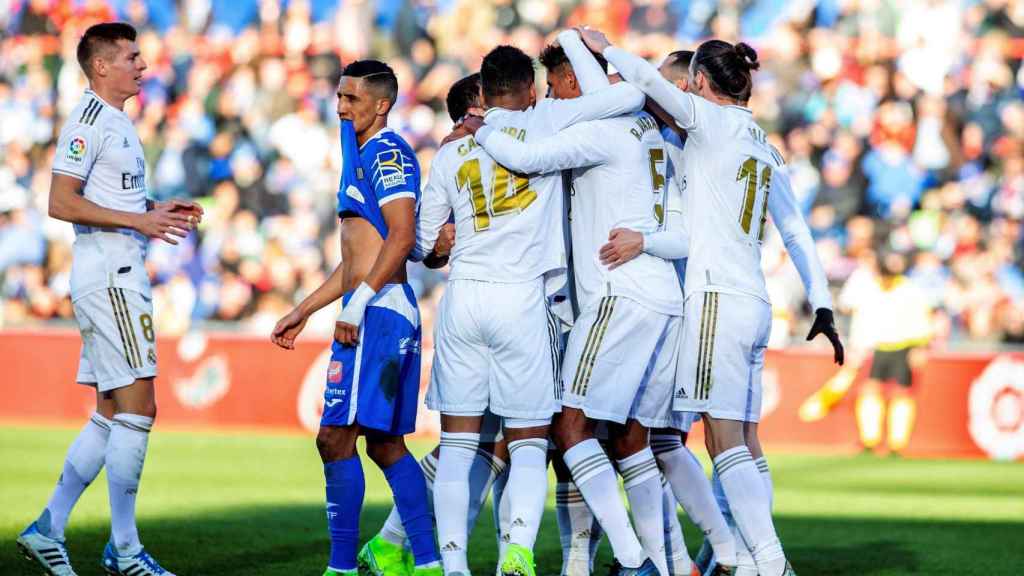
pixel 467 146
pixel 470 145
pixel 644 123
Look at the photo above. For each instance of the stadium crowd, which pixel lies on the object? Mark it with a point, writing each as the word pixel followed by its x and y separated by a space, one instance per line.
pixel 902 123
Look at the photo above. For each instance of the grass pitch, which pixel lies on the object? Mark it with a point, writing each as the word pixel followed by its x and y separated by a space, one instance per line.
pixel 216 504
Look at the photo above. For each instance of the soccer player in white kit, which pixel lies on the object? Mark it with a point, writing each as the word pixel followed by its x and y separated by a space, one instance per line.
pixel 620 359
pixel 734 180
pixel 689 484
pixel 677 464
pixel 496 343
pixel 99 185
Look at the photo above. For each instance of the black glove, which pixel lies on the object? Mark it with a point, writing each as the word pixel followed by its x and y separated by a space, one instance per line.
pixel 433 261
pixel 825 324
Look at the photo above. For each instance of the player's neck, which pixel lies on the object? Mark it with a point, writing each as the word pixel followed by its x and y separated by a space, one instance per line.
pixel 379 124
pixel 509 101
pixel 723 100
pixel 110 97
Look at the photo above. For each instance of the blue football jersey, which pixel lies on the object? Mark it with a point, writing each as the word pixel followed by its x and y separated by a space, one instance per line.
pixel 384 169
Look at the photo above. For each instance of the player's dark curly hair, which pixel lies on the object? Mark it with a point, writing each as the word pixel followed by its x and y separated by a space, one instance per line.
pixel 505 70
pixel 98 37
pixel 727 67
pixel 552 56
pixel 462 95
pixel 377 75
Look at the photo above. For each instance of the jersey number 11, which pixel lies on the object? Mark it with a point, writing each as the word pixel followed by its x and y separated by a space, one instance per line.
pixel 748 172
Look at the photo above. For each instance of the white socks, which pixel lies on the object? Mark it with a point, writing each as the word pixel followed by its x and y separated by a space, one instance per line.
pixel 528 478
pixel 501 508
pixel 580 534
pixel 81 466
pixel 744 561
pixel 679 562
pixel 745 492
pixel 125 455
pixel 766 476
pixel 693 491
pixel 642 481
pixel 593 475
pixel 451 497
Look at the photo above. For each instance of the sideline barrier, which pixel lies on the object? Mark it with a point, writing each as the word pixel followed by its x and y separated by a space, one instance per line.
pixel 969 405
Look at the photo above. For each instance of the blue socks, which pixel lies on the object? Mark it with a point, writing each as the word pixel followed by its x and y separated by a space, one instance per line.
pixel 410 494
pixel 345 489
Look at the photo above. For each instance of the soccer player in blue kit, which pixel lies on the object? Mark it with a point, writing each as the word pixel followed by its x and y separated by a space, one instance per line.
pixel 373 378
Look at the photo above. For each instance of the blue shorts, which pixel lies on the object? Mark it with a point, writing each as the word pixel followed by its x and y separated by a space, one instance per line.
pixel 376 383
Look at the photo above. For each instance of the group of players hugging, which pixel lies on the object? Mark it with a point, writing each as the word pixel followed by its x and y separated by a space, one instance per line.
pixel 604 293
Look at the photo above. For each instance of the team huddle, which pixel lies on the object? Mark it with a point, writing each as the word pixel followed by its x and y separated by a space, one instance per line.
pixel 605 292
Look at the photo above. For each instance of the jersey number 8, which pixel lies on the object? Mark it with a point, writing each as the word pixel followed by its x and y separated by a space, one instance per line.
pixel 497 200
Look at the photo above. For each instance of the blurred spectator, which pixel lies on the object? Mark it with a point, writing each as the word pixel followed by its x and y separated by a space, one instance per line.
pixel 902 124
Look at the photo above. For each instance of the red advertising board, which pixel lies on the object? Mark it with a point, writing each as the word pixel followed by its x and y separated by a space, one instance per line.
pixel 968 404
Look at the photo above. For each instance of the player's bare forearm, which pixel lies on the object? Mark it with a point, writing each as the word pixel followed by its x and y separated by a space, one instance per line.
pixel 400 217
pixel 68 204
pixel 328 292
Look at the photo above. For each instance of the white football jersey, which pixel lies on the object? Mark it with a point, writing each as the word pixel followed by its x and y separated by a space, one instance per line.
pixel 732 179
pixel 99 146
pixel 619 181
pixel 508 226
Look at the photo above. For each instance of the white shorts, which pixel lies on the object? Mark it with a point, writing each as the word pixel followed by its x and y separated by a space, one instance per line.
pixel 722 356
pixel 683 421
pixel 620 363
pixel 118 338
pixel 495 347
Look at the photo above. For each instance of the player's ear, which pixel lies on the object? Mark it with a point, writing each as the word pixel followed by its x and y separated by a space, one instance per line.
pixel 99 66
pixel 383 106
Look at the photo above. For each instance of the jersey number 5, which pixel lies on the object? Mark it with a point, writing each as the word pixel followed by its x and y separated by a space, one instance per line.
pixel 499 199
pixel 748 172
pixel 656 157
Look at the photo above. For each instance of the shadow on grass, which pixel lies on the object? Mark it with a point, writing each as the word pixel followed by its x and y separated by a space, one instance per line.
pixel 291 540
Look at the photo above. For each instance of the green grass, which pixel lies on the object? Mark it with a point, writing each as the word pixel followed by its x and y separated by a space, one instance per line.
pixel 246 504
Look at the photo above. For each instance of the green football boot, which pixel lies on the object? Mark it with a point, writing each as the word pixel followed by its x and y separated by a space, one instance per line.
pixel 330 572
pixel 431 571
pixel 378 557
pixel 518 561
